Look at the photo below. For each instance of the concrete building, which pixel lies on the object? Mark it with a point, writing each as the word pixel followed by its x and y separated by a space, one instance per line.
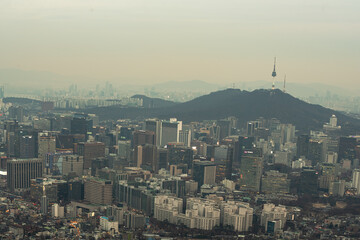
pixel 167 208
pixel 20 171
pixel 237 214
pixel 90 151
pixel 204 172
pixel 273 214
pixel 98 191
pixel 275 182
pixel 108 225
pixel 46 145
pixel 251 167
pixel 73 164
pixel 57 211
pixel 44 204
pixel 356 180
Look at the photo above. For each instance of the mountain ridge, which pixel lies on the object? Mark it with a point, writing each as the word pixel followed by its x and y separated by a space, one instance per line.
pixel 242 104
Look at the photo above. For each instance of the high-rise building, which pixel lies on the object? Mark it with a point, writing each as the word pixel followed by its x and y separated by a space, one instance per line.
pixel 44 204
pixel 185 137
pixel 251 167
pixel 162 158
pixel 154 125
pixel 73 164
pixel 169 132
pixel 10 129
pixel 46 144
pixel 302 145
pixel 81 124
pixel 20 171
pixel 204 172
pixel 145 156
pixel 90 151
pixel 180 155
pixel 141 137
pixel 347 148
pixel 356 180
pixel 27 147
pixel 316 151
pixel 308 181
pixel 225 128
pixel 16 113
pixel 98 191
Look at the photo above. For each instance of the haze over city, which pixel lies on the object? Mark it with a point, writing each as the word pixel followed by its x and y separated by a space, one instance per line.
pixel 147 42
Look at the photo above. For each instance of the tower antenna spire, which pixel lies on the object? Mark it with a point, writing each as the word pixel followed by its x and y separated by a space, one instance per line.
pixel 284 84
pixel 274 74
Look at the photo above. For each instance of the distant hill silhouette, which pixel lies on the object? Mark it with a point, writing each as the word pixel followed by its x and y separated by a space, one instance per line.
pixel 154 102
pixel 20 101
pixel 244 105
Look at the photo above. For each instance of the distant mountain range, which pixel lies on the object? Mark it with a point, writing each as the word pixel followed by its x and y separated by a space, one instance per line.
pixel 154 102
pixel 23 81
pixel 244 105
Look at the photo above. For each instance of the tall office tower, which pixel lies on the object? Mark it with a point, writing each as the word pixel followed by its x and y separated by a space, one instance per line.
pixel 347 148
pixel 225 128
pixel 251 167
pixel 328 174
pixel 81 124
pixel 251 126
pixel 27 147
pixel 125 133
pixel 288 132
pixel 154 125
pixel 141 137
pixel 204 172
pixel 145 156
pixel 169 132
pixel 178 155
pixel 302 145
pixel 243 143
pixel 90 151
pixel 44 205
pixel 229 162
pixel 162 158
pixel 46 144
pixel 73 164
pixel 16 113
pixel 124 149
pixel 308 181
pixel 185 137
pixel 10 128
pixel 75 190
pixel 356 180
pixel 316 151
pixel 98 191
pixel 20 171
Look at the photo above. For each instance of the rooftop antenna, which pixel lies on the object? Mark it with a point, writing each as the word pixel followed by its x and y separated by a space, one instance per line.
pixel 274 74
pixel 284 84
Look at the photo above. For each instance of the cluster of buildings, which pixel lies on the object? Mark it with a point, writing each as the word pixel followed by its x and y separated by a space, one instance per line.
pixel 114 177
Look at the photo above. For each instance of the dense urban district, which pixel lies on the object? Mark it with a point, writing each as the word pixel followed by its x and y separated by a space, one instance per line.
pixel 73 174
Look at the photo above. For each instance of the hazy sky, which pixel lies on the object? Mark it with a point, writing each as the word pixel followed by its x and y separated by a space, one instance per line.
pixel 179 40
